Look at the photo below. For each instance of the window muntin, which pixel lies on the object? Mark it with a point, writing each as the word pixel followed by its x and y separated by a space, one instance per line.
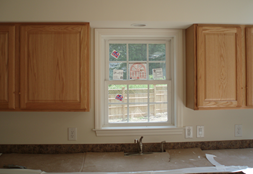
pixel 146 71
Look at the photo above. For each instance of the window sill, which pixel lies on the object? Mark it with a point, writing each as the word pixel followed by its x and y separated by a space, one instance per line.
pixel 119 131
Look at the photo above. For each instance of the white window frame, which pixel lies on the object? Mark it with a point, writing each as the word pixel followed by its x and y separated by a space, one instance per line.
pixel 102 37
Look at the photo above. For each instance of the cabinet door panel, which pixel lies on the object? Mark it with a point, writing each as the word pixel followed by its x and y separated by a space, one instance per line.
pixel 249 54
pixel 53 67
pixel 54 64
pixel 219 66
pixel 7 67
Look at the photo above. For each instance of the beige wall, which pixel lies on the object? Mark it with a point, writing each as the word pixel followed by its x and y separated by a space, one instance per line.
pixel 121 13
pixel 51 127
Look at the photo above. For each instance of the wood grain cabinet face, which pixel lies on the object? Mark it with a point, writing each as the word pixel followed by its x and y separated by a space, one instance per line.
pixel 54 67
pixel 218 67
pixel 218 62
pixel 7 67
pixel 249 55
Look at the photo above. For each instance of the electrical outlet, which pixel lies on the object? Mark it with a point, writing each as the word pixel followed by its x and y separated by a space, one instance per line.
pixel 188 132
pixel 200 131
pixel 238 130
pixel 72 133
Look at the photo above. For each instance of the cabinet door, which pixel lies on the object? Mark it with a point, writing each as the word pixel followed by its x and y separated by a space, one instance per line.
pixel 249 55
pixel 219 67
pixel 55 67
pixel 7 67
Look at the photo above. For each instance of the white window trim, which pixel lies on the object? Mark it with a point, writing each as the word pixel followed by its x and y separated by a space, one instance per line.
pixel 101 37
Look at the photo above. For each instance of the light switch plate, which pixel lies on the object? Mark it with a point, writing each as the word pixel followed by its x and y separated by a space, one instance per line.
pixel 72 133
pixel 200 131
pixel 238 130
pixel 188 132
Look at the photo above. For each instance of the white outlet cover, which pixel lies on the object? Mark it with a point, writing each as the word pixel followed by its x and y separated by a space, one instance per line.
pixel 200 131
pixel 238 130
pixel 188 132
pixel 72 133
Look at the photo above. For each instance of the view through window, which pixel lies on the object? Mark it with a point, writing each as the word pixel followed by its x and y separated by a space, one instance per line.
pixel 138 82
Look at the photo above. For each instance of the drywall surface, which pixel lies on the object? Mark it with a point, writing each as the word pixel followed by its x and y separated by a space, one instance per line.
pixel 121 13
pixel 51 127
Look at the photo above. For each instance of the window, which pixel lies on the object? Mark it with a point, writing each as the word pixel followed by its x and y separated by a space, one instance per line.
pixel 138 83
pixel 135 82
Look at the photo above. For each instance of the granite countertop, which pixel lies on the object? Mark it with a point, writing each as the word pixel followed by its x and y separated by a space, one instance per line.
pixel 117 162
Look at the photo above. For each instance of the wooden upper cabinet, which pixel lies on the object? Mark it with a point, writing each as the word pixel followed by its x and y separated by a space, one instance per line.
pixel 7 67
pixel 249 55
pixel 54 66
pixel 215 64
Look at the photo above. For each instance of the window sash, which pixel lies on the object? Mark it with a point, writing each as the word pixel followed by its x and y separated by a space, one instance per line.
pixel 128 81
pixel 127 41
pixel 148 82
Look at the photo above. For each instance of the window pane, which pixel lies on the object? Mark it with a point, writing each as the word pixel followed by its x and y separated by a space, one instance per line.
pixel 117 113
pixel 158 113
pixel 120 54
pixel 137 71
pixel 158 93
pixel 117 93
pixel 138 113
pixel 137 52
pixel 138 93
pixel 115 71
pixel 157 71
pixel 157 52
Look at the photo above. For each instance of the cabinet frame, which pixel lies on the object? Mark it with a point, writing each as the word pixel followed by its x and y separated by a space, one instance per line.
pixel 9 30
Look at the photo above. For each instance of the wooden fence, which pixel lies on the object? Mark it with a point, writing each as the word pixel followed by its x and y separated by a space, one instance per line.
pixel 138 96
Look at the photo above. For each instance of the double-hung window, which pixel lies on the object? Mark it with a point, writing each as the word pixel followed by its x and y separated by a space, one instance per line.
pixel 137 83
pixel 135 80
